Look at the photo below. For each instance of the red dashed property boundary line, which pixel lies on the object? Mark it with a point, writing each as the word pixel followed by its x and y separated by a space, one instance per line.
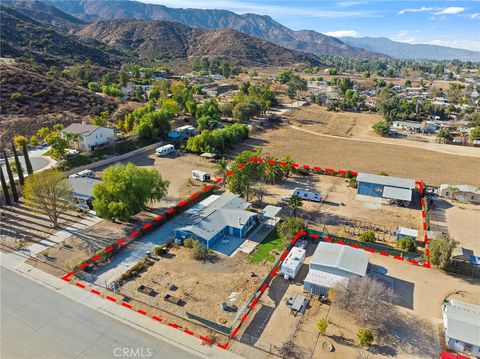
pixel 143 312
pixel 168 214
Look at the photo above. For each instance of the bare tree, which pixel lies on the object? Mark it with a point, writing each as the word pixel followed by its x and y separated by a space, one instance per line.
pixel 369 300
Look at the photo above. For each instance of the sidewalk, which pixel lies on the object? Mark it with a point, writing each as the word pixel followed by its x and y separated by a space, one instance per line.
pixel 127 316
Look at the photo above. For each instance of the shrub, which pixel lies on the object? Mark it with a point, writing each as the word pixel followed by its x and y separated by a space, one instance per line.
pixel 381 128
pixel 367 236
pixel 190 242
pixel 291 226
pixel 34 141
pixel 159 251
pixel 16 96
pixel 407 244
pixel 199 253
pixel 441 250
pixel 365 337
pixel 322 326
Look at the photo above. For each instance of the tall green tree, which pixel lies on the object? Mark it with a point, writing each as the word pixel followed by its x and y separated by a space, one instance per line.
pixel 125 191
pixel 18 165
pixel 6 194
pixel 441 249
pixel 221 168
pixel 10 178
pixel 26 157
pixel 49 192
pixel 295 202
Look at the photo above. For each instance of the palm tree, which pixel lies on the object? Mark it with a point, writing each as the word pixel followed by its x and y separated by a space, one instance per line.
pixel 222 168
pixel 287 168
pixel 18 165
pixel 273 172
pixel 295 202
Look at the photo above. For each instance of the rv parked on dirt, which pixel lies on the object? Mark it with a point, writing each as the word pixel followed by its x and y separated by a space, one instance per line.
pixel 165 150
pixel 83 174
pixel 307 195
pixel 200 176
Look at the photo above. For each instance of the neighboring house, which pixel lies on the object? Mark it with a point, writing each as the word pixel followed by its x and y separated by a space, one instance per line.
pixel 387 187
pixel 182 132
pixel 83 191
pixel 216 219
pixel 90 136
pixel 333 264
pixel 460 192
pixel 462 327
pixel 407 125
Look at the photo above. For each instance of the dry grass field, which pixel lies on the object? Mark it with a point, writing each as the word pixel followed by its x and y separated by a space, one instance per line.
pixel 433 167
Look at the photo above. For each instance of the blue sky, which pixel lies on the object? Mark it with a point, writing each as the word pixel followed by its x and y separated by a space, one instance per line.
pixel 448 23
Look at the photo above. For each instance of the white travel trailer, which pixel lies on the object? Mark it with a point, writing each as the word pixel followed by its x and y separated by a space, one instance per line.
pixel 292 264
pixel 83 174
pixel 307 195
pixel 165 150
pixel 200 176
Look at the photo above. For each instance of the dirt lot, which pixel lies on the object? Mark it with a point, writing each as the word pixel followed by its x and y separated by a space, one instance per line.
pixel 458 219
pixel 340 208
pixel 212 283
pixel 177 169
pixel 346 124
pixel 20 224
pixel 433 167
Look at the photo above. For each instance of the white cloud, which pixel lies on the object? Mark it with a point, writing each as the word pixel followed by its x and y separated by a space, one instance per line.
pixel 452 10
pixel 422 9
pixel 341 33
pixel 474 16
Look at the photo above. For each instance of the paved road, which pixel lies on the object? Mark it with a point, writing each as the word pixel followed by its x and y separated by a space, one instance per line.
pixel 38 323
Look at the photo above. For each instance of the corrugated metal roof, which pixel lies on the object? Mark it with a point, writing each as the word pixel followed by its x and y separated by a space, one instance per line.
pixel 402 194
pixel 386 180
pixel 325 279
pixel 343 257
pixel 462 322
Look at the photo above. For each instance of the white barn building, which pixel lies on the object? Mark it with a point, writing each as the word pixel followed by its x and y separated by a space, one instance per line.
pixel 333 264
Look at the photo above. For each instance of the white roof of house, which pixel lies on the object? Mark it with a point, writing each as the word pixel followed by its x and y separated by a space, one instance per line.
pixel 80 128
pixel 402 194
pixel 462 321
pixel 343 257
pixel 386 180
pixel 407 232
pixel 325 279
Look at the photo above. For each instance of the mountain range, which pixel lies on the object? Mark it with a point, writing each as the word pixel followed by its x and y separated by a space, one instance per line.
pixel 263 27
pixel 402 50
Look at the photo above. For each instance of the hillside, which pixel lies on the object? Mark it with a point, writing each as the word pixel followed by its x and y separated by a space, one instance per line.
pixel 166 40
pixel 263 27
pixel 401 50
pixel 43 101
pixel 22 36
pixel 46 14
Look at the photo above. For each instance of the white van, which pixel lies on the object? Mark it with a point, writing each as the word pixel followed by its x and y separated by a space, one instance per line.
pixel 84 174
pixel 307 195
pixel 165 150
pixel 200 176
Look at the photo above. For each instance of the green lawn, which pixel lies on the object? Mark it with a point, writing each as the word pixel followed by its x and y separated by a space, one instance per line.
pixel 272 241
